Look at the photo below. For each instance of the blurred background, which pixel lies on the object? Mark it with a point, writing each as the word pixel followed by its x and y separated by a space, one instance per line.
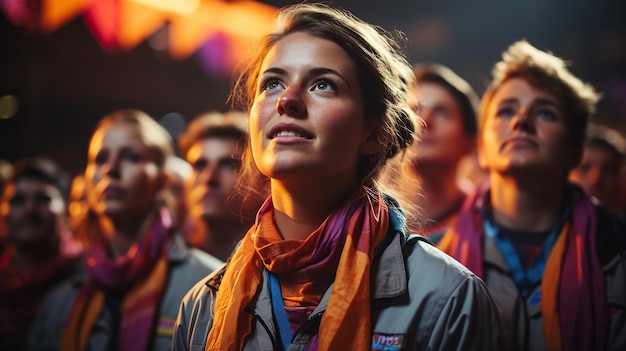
pixel 66 63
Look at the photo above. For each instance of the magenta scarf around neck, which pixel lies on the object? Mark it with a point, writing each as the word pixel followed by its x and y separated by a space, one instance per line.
pixel 582 300
pixel 118 274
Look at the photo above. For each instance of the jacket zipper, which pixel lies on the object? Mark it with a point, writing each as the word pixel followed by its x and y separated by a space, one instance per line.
pixel 267 329
pixel 312 320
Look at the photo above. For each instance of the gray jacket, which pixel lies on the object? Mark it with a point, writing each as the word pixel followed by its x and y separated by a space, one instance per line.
pixel 522 321
pixel 187 267
pixel 421 300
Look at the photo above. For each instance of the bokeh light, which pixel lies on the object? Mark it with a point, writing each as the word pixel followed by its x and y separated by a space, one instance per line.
pixel 8 106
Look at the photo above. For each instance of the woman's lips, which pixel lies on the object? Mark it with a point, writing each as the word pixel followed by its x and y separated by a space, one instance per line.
pixel 288 130
pixel 113 191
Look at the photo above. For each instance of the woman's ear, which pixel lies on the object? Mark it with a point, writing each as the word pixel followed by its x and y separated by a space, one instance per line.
pixel 370 143
pixel 370 146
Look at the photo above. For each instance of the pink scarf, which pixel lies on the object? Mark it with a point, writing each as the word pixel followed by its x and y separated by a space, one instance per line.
pixel 578 301
pixel 141 275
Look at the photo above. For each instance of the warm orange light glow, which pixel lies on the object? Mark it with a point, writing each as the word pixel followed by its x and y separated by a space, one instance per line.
pixel 55 13
pixel 187 33
pixel 246 19
pixel 182 7
pixel 137 22
pixel 123 24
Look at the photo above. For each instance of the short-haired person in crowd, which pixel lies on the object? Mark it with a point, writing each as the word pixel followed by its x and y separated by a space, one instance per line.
pixel 41 251
pixel 329 264
pixel 6 168
pixel 213 144
pixel 178 171
pixel 138 266
pixel 600 171
pixel 553 261
pixel 429 168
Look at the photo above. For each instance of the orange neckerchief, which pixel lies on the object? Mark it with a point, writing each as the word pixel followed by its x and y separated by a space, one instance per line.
pixel 549 300
pixel 346 322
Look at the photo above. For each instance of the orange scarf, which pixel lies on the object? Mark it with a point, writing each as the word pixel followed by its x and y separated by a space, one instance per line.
pixel 346 323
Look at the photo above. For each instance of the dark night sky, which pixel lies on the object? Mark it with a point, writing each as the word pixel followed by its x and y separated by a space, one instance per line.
pixel 64 81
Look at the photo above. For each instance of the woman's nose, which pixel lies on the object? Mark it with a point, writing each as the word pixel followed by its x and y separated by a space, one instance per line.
pixel 291 103
pixel 111 167
pixel 523 121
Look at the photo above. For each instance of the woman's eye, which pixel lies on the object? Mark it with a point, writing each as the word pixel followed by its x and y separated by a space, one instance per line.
pixel 133 157
pixel 324 85
pixel 101 158
pixel 506 112
pixel 270 84
pixel 441 112
pixel 547 115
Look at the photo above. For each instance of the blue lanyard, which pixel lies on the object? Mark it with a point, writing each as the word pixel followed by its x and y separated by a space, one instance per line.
pixel 280 315
pixel 525 279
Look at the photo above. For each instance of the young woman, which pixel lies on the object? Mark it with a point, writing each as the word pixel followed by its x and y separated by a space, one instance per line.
pixel 554 263
pixel 328 264
pixel 138 267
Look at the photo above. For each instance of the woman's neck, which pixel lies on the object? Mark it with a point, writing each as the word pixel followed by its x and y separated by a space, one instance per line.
pixel 526 206
pixel 298 213
pixel 123 234
pixel 434 190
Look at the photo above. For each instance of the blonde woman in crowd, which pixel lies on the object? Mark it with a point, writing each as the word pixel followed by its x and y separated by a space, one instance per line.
pixel 137 266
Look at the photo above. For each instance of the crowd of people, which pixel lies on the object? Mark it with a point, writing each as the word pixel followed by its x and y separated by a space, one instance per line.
pixel 349 200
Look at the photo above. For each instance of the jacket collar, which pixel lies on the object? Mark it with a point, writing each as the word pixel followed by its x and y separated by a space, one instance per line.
pixel 389 276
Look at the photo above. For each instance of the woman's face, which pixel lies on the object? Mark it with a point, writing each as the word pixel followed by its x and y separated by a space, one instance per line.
pixel 525 129
pixel 122 177
pixel 444 139
pixel 307 121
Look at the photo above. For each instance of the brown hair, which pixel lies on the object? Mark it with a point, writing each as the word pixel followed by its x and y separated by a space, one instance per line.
pixel 545 71
pixel 383 71
pixel 232 124
pixel 460 89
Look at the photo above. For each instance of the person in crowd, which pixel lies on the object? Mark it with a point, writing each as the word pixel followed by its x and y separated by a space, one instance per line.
pixel 553 261
pixel 429 169
pixel 600 172
pixel 178 172
pixel 137 265
pixel 6 168
pixel 213 144
pixel 41 250
pixel 329 264
pixel 77 202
